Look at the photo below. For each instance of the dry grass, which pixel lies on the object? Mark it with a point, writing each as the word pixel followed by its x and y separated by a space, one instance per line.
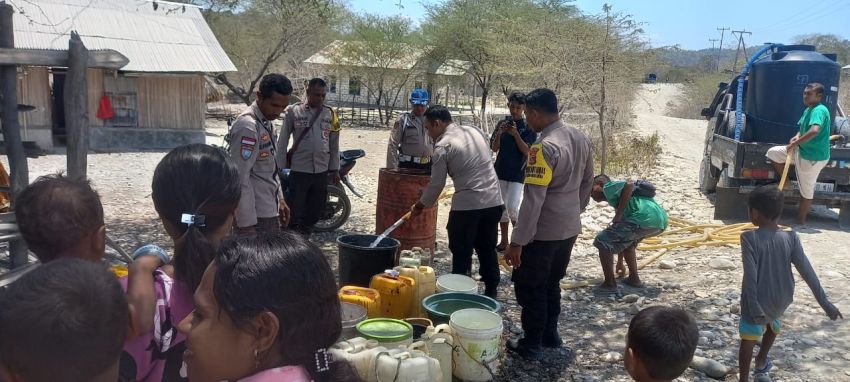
pixel 630 155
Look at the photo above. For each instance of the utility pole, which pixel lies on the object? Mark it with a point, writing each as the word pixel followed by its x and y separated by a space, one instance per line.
pixel 741 44
pixel 713 40
pixel 720 48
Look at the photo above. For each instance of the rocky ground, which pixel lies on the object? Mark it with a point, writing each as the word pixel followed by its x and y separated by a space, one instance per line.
pixel 706 281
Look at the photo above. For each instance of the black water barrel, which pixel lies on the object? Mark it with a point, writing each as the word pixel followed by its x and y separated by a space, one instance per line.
pixel 358 263
pixel 774 96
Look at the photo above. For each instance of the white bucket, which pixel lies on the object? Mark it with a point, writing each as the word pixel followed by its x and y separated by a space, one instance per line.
pixel 477 339
pixel 456 283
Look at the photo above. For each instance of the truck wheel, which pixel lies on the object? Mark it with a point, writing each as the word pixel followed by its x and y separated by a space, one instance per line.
pixel 707 178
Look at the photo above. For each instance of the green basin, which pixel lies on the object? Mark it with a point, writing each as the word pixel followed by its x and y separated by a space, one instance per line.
pixel 440 306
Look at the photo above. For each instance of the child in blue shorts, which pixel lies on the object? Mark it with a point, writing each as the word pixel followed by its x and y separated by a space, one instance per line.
pixel 637 217
pixel 768 285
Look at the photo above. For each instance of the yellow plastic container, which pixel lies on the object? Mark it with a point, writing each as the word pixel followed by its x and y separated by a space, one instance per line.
pixel 396 291
pixel 119 270
pixel 426 285
pixel 365 297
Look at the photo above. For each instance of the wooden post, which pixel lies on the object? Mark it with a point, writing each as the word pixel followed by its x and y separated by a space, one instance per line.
pixel 76 108
pixel 18 171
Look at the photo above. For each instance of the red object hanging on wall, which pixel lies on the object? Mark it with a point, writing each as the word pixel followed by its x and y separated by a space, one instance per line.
pixel 104 111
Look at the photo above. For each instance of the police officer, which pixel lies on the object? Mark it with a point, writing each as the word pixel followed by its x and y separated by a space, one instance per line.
pixel 463 153
pixel 314 156
pixel 252 136
pixel 558 181
pixel 409 145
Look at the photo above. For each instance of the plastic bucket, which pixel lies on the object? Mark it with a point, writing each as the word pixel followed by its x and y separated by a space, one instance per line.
pixel 389 332
pixel 477 337
pixel 441 306
pixel 358 263
pixel 456 283
pixel 352 314
pixel 419 326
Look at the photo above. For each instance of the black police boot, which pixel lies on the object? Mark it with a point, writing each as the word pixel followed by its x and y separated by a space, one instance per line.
pixel 552 340
pixel 528 352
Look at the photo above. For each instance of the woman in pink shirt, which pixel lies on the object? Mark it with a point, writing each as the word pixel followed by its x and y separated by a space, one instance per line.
pixel 195 192
pixel 266 311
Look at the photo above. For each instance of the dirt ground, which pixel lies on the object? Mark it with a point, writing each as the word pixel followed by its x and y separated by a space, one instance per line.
pixel 810 348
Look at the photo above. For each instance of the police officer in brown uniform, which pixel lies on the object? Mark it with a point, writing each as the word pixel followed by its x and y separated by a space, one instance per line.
pixel 409 145
pixel 252 136
pixel 558 181
pixel 463 153
pixel 314 156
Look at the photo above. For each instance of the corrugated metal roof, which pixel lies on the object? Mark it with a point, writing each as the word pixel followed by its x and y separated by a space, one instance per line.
pixel 171 39
pixel 326 57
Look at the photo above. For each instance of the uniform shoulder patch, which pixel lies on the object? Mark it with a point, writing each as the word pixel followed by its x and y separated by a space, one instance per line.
pixel 247 152
pixel 335 125
pixel 537 171
pixel 248 141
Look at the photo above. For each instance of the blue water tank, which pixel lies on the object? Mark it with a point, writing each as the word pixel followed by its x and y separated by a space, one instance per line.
pixel 774 97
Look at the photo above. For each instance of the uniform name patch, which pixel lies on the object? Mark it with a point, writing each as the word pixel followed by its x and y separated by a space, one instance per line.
pixel 248 141
pixel 537 171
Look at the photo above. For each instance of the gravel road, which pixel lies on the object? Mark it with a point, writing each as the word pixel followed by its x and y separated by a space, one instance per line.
pixel 810 348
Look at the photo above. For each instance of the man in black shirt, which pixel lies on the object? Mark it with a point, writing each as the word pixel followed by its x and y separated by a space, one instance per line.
pixel 511 140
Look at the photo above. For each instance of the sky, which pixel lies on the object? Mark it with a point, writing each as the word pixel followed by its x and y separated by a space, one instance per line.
pixel 691 23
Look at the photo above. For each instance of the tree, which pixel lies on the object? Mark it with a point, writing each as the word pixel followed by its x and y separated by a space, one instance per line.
pixel 258 34
pixel 385 52
pixel 828 43
pixel 472 32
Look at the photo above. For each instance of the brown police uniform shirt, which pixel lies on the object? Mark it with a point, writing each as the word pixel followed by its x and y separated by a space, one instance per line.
pixel 408 137
pixel 318 152
pixel 558 180
pixel 463 153
pixel 253 151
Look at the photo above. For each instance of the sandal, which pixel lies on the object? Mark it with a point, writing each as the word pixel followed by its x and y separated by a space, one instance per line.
pixel 599 291
pixel 766 369
pixel 640 285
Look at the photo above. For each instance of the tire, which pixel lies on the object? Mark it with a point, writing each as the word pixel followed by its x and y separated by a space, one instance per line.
pixel 337 210
pixel 707 178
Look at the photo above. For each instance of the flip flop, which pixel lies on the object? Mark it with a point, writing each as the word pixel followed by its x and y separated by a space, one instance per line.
pixel 766 369
pixel 642 285
pixel 605 292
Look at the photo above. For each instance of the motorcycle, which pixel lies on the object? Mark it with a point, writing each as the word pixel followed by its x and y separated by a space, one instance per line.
pixel 338 205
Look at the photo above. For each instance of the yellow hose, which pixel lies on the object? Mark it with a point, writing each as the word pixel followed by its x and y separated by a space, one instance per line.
pixel 688 234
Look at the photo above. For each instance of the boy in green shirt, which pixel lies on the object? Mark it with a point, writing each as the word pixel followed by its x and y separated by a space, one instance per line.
pixel 637 218
pixel 809 148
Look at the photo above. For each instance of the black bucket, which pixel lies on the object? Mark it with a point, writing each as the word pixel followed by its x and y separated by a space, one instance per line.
pixel 358 263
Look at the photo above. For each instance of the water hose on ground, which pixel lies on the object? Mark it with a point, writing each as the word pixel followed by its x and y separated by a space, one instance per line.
pixel 686 234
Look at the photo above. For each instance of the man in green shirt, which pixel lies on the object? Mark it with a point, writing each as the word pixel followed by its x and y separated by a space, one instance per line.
pixel 809 148
pixel 637 218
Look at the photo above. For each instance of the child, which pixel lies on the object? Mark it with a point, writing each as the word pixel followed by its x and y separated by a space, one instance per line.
pixel 64 321
pixel 266 310
pixel 60 217
pixel 660 344
pixel 637 218
pixel 768 285
pixel 195 192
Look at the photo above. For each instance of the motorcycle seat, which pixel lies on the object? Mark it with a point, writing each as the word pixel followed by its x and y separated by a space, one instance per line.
pixel 352 154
